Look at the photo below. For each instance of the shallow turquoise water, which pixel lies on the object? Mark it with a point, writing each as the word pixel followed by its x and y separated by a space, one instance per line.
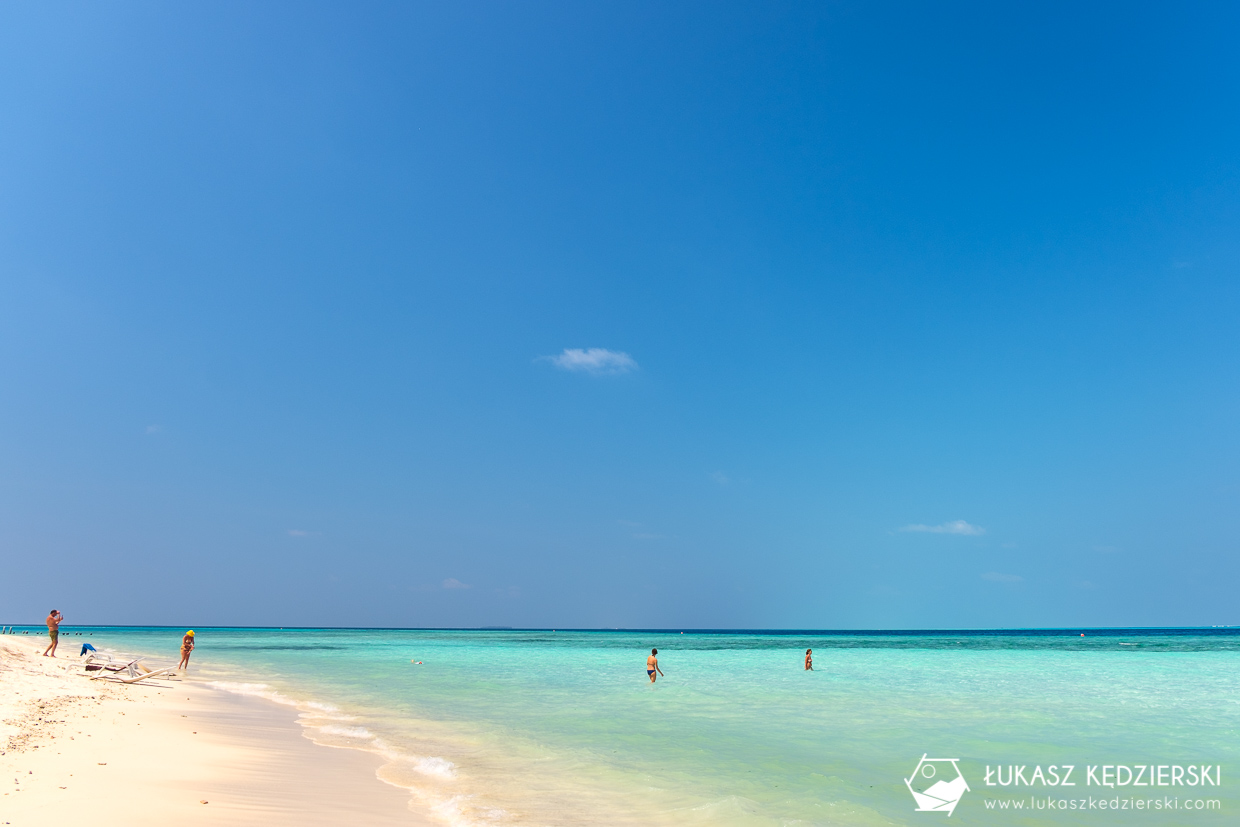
pixel 501 727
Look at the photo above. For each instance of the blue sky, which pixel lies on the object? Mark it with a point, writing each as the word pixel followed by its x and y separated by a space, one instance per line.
pixel 559 314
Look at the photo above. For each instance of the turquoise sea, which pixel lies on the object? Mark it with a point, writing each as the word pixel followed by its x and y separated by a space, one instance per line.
pixel 563 727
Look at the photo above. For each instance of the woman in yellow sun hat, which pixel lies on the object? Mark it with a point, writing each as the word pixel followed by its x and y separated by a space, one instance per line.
pixel 187 646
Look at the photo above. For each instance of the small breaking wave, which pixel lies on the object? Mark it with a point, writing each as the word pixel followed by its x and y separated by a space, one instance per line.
pixel 262 690
pixel 322 716
pixel 455 810
pixel 433 766
pixel 346 731
pixel 437 767
pixel 401 769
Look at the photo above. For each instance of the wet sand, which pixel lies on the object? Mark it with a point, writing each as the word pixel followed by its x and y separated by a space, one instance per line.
pixel 104 753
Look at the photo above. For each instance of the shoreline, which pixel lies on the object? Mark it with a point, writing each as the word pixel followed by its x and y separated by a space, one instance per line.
pixel 567 730
pixel 109 753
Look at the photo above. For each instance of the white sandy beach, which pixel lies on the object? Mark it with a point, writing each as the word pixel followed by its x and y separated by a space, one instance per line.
pixel 104 753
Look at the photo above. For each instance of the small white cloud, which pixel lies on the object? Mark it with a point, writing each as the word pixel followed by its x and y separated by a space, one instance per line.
pixel 997 577
pixel 953 527
pixel 300 532
pixel 720 477
pixel 597 360
pixel 453 583
pixel 153 429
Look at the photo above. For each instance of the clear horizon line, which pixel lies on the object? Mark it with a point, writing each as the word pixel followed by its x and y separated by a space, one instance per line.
pixel 660 630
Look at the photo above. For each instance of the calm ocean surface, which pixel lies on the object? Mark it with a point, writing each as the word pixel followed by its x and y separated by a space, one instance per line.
pixel 563 728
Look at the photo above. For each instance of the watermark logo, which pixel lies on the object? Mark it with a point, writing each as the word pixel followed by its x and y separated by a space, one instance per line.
pixel 937 784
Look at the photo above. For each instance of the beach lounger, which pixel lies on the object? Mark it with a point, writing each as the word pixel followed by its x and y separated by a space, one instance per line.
pixel 158 673
pixel 105 667
pixel 132 672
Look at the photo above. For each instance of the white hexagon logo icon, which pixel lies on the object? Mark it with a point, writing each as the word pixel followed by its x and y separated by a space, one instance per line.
pixel 937 784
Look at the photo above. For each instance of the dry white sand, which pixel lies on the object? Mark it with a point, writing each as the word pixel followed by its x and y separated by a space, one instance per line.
pixel 73 750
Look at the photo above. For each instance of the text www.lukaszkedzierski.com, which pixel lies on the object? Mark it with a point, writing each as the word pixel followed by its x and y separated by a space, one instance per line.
pixel 1091 803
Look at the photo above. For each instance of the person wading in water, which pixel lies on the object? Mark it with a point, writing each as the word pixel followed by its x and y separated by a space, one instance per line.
pixel 652 665
pixel 187 646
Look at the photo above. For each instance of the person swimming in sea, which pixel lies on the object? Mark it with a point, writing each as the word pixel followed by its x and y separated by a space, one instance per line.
pixel 809 660
pixel 652 665
pixel 187 646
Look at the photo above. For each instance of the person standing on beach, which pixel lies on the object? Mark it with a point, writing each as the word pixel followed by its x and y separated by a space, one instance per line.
pixel 809 660
pixel 187 646
pixel 53 631
pixel 652 665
